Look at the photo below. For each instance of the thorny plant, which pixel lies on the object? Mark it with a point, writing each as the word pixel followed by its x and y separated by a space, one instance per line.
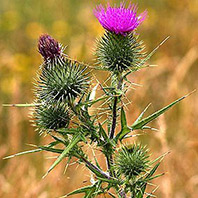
pixel 64 96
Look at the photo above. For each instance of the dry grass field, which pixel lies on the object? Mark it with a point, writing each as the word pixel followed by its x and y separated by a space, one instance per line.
pixel 72 23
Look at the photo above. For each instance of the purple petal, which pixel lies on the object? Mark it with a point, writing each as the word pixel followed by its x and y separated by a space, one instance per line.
pixel 119 20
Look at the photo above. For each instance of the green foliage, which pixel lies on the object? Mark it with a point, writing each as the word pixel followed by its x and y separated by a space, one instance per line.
pixel 124 128
pixel 140 123
pixel 73 142
pixel 119 53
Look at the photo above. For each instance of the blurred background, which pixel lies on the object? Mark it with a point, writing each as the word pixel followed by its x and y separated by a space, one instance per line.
pixel 72 23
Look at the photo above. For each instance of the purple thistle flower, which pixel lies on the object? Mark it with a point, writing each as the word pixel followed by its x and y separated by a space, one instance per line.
pixel 119 20
pixel 48 47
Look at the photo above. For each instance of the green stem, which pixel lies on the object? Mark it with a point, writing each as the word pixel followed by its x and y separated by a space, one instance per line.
pixel 119 80
pixel 114 115
pixel 96 169
pixel 110 162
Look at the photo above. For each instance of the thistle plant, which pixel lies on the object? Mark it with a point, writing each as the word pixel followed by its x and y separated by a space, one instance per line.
pixel 64 95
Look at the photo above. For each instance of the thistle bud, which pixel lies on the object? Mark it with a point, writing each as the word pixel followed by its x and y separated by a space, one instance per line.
pixel 51 117
pixel 131 161
pixel 118 53
pixel 48 47
pixel 62 83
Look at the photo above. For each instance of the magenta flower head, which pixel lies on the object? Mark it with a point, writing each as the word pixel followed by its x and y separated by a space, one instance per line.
pixel 119 20
pixel 48 47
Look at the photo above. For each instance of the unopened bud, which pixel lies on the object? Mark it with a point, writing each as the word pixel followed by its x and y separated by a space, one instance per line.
pixel 48 47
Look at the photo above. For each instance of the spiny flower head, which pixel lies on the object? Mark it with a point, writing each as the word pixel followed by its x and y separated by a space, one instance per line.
pixel 131 160
pixel 51 117
pixel 48 47
pixel 62 83
pixel 118 53
pixel 119 20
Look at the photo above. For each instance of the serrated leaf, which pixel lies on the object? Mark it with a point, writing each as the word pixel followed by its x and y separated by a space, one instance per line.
pixel 142 114
pixel 124 128
pixel 31 151
pixel 97 173
pixel 97 163
pixel 73 142
pixel 143 122
pixel 123 119
pixel 21 105
pixel 153 170
pixel 90 193
pixel 53 150
pixel 23 153
pixel 80 190
pixel 102 132
pixel 147 178
pixel 111 181
pixel 58 139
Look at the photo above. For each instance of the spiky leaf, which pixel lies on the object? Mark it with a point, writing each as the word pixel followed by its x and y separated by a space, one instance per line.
pixel 140 123
pixel 124 128
pixel 73 142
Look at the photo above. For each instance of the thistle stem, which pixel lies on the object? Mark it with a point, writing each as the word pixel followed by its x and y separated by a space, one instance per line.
pixel 112 132
pixel 109 158
pixel 114 110
pixel 109 161
pixel 92 166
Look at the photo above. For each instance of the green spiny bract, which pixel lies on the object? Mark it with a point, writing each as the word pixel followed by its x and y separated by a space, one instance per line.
pixel 62 82
pixel 118 53
pixel 131 160
pixel 51 117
